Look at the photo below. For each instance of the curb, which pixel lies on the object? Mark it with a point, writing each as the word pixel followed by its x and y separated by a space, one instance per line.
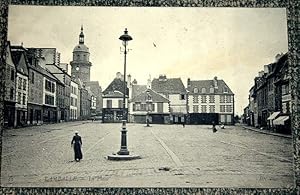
pixel 268 133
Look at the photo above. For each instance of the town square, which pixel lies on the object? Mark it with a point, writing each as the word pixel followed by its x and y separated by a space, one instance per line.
pixel 147 101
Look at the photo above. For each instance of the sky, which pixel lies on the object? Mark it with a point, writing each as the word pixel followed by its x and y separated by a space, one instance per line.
pixel 197 43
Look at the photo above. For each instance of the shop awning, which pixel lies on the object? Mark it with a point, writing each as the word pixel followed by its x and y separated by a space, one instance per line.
pixel 273 116
pixel 280 120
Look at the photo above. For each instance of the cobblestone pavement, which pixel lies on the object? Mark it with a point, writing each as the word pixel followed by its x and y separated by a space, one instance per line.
pixel 196 157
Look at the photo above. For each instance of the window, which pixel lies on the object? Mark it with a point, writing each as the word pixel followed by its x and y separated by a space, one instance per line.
pixel 222 108
pixel 120 104
pixel 24 99
pixel 212 109
pixel 203 108
pixel 11 95
pixel 182 97
pixel 211 99
pixel 195 99
pixel 285 89
pixel 20 83
pixel 49 100
pixel 72 101
pixel 196 108
pixel 203 99
pixel 225 90
pixel 196 90
pixel 228 108
pixel 12 74
pixel 228 99
pixel 75 102
pixel 211 90
pixel 203 90
pixel 160 107
pixel 19 98
pixel 24 84
pixel 32 77
pixel 109 103
pixel 222 99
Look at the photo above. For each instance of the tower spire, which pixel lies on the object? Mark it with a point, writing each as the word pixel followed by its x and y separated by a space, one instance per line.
pixel 81 36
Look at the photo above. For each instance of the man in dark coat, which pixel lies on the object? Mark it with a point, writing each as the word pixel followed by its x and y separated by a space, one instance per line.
pixel 214 127
pixel 76 143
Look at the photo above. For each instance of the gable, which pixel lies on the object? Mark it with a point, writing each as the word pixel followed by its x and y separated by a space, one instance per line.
pixel 9 59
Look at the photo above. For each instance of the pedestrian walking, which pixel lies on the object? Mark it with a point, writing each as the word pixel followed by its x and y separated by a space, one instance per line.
pixel 77 143
pixel 214 127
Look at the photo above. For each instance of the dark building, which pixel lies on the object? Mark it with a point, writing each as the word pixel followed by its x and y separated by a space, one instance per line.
pixel 10 90
pixel 20 60
pixel 174 90
pixel 113 100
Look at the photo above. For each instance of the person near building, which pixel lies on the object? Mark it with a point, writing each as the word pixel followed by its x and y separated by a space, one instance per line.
pixel 214 127
pixel 77 143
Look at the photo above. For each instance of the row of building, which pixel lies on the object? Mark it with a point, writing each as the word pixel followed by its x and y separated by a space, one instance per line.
pixel 39 89
pixel 270 98
pixel 166 100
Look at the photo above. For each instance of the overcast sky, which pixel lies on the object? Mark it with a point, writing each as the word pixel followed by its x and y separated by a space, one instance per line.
pixel 198 43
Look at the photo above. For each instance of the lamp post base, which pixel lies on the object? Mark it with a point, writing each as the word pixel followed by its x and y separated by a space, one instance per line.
pixel 122 157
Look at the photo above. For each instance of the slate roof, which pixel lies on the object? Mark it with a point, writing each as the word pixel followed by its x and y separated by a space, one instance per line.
pixel 116 85
pixel 207 84
pixel 155 97
pixel 94 87
pixel 16 57
pixel 137 90
pixel 168 86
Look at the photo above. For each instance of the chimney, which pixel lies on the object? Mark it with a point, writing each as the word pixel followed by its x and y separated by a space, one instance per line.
pixel 216 82
pixel 118 75
pixel 64 66
pixel 260 73
pixel 266 69
pixel 162 77
pixel 149 82
pixel 128 80
pixel 188 82
pixel 134 82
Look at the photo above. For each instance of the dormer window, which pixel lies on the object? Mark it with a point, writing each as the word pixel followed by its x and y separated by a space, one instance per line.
pixel 211 90
pixel 196 90
pixel 225 90
pixel 203 90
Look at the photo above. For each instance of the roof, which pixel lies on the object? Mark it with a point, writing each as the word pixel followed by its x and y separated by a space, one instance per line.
pixel 114 94
pixel 94 87
pixel 155 97
pixel 168 86
pixel 207 84
pixel 81 48
pixel 21 65
pixel 138 89
pixel 116 85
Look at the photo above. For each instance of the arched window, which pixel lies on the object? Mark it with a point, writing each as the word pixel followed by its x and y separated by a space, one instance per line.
pixel 203 90
pixel 196 90
pixel 211 90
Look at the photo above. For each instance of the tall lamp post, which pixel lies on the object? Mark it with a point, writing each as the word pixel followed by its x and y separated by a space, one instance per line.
pixel 149 107
pixel 125 38
pixel 123 154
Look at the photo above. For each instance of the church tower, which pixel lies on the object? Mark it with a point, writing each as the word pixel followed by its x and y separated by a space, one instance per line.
pixel 80 65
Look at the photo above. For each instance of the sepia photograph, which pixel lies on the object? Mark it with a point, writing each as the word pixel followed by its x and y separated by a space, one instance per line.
pixel 147 97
